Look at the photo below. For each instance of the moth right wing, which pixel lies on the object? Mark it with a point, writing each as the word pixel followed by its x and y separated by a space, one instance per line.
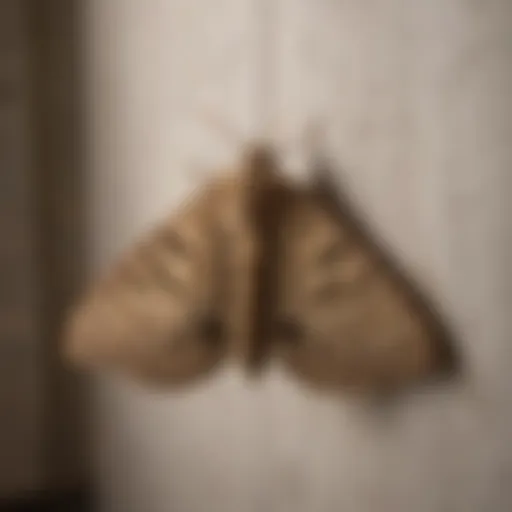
pixel 158 315
pixel 344 317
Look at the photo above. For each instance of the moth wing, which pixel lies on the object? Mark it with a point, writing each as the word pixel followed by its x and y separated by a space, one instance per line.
pixel 157 315
pixel 345 317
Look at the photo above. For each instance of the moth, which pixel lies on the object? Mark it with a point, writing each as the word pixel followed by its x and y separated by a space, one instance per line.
pixel 257 267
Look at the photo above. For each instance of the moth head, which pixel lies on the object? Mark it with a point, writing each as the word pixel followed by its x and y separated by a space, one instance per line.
pixel 260 164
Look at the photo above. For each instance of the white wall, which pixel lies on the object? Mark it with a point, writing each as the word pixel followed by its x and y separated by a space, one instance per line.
pixel 418 100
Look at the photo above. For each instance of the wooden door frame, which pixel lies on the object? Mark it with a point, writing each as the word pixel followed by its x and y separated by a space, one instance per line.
pixel 56 35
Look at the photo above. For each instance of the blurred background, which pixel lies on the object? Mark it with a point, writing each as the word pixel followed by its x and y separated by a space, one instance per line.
pixel 101 126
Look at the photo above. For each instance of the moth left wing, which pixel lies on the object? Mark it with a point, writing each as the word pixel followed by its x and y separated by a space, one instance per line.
pixel 158 313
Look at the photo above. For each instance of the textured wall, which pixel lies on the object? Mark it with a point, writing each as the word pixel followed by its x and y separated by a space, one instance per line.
pixel 417 99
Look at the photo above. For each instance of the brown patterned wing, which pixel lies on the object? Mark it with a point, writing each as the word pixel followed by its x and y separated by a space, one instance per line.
pixel 345 318
pixel 159 314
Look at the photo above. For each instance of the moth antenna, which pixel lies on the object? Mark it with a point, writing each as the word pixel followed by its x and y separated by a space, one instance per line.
pixel 309 138
pixel 199 171
pixel 313 136
pixel 288 140
pixel 271 130
pixel 219 124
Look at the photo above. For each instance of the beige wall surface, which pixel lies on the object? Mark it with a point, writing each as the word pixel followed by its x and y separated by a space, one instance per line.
pixel 417 99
